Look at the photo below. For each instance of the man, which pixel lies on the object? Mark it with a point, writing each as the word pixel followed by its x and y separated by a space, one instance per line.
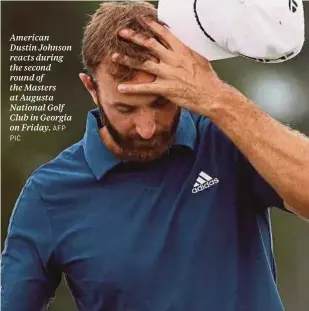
pixel 163 205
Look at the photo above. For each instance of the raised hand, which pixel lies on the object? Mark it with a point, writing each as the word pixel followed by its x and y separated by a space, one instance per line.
pixel 182 75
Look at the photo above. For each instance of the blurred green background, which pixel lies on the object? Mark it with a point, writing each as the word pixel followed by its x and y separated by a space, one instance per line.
pixel 281 89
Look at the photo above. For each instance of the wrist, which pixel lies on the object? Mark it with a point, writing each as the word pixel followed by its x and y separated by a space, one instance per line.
pixel 226 100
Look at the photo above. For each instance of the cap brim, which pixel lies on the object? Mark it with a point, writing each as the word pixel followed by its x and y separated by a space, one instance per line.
pixel 180 17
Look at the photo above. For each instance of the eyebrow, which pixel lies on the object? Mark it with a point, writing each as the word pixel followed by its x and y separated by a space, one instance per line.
pixel 123 104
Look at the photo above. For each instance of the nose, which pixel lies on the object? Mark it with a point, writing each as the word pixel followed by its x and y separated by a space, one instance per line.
pixel 146 125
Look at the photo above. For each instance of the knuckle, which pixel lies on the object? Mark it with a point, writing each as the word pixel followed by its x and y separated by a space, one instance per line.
pixel 125 59
pixel 178 63
pixel 165 32
pixel 130 33
pixel 151 43
pixel 148 64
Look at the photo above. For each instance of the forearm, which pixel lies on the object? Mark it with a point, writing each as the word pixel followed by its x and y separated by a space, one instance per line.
pixel 279 154
pixel 187 79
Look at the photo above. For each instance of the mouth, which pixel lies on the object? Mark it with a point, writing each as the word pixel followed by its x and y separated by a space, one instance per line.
pixel 152 143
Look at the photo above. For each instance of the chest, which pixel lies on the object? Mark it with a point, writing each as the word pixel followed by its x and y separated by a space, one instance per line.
pixel 134 216
pixel 157 237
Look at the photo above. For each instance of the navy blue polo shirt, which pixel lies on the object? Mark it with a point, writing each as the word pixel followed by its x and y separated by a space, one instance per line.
pixel 188 232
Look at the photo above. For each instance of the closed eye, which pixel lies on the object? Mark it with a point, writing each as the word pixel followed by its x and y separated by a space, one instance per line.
pixel 160 103
pixel 125 109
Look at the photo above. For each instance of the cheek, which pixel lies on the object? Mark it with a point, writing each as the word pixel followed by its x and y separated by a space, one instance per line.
pixel 166 117
pixel 122 123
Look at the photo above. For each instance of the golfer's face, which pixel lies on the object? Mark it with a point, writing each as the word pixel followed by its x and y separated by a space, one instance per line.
pixel 142 125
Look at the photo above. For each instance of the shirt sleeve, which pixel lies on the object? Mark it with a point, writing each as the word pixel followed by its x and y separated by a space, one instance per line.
pixel 251 186
pixel 266 193
pixel 29 275
pixel 260 190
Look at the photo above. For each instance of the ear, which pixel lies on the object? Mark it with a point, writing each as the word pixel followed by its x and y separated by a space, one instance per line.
pixel 86 80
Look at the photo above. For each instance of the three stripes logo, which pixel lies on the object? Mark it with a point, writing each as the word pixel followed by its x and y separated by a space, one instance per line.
pixel 293 5
pixel 203 182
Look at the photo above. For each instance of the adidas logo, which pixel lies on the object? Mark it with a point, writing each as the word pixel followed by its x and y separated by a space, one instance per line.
pixel 203 182
pixel 293 5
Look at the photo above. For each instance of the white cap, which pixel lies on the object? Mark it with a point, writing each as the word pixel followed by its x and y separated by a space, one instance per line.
pixel 264 30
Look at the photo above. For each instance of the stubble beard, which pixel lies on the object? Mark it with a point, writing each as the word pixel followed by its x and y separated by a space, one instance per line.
pixel 136 149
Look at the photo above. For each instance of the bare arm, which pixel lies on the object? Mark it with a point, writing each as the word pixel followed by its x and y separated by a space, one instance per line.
pixel 280 155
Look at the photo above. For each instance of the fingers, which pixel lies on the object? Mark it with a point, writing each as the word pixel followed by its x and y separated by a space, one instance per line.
pixel 146 88
pixel 156 48
pixel 170 91
pixel 157 69
pixel 163 33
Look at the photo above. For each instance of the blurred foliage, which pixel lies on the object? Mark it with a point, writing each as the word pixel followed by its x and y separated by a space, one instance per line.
pixel 281 89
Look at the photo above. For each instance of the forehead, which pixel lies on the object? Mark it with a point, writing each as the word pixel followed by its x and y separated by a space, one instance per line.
pixel 108 85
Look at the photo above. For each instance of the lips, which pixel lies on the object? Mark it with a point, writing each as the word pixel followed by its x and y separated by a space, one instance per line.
pixel 151 143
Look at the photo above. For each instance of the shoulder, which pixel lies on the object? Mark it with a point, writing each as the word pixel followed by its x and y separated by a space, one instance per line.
pixel 64 174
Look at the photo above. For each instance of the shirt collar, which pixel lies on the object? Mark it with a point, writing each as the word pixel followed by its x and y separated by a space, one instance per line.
pixel 101 160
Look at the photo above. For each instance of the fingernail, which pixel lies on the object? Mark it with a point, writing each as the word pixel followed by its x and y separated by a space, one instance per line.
pixel 121 88
pixel 124 32
pixel 146 19
pixel 114 56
